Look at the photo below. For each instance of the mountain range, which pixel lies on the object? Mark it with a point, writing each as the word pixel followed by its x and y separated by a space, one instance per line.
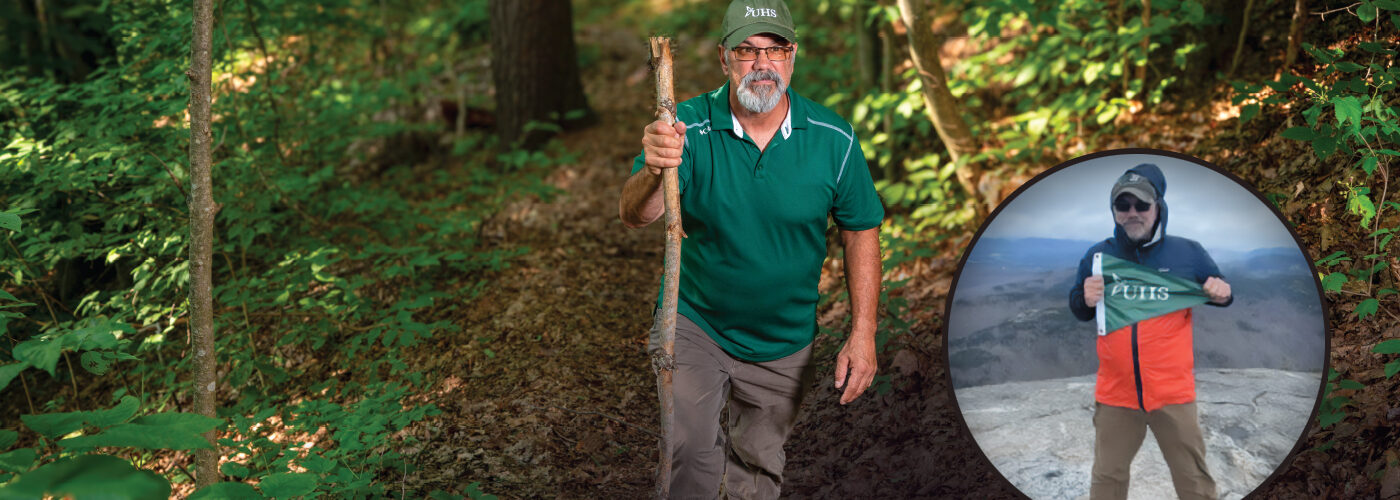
pixel 1009 318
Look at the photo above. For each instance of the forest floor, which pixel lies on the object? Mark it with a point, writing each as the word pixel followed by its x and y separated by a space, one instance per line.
pixel 564 402
pixel 566 406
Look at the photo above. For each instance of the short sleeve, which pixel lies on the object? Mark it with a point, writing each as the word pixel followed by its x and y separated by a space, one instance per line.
pixel 857 206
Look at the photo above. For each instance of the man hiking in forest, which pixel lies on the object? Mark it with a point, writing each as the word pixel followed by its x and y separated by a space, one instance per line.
pixel 761 168
pixel 1146 368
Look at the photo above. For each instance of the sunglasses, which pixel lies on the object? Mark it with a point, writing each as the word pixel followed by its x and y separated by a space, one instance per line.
pixel 1122 205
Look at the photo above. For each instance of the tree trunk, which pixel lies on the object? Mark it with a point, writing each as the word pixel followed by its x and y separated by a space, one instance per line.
pixel 867 47
pixel 1239 44
pixel 1119 8
pixel 534 66
pixel 886 34
pixel 202 210
pixel 1295 33
pixel 942 109
pixel 1146 43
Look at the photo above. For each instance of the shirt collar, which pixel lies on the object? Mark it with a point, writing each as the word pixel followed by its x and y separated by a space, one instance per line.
pixel 720 107
pixel 785 128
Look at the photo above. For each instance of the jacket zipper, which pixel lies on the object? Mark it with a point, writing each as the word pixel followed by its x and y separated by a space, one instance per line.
pixel 1137 370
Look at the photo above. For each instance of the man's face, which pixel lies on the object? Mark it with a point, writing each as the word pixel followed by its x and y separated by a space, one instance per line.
pixel 759 83
pixel 1137 223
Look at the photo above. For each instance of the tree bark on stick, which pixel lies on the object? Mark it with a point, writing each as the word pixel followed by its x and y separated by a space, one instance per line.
pixel 202 210
pixel 663 362
pixel 939 104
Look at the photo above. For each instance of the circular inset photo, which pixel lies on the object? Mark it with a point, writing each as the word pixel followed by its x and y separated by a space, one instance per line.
pixel 1136 324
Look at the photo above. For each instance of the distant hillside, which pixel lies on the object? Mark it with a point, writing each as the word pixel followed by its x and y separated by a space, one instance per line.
pixel 1029 252
pixel 1010 319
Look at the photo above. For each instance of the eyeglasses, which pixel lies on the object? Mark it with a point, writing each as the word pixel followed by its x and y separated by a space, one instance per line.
pixel 1122 205
pixel 775 53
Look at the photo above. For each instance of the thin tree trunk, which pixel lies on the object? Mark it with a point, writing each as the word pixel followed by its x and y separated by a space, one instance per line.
pixel 867 47
pixel 1295 34
pixel 41 14
pixel 887 86
pixel 1239 43
pixel 202 210
pixel 942 109
pixel 1146 42
pixel 664 362
pixel 1119 8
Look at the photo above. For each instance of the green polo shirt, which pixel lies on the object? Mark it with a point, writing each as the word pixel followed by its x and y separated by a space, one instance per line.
pixel 756 221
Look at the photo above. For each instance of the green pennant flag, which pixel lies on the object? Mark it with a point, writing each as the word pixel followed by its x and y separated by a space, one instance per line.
pixel 1132 293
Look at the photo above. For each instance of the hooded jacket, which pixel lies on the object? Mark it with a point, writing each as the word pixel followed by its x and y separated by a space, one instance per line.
pixel 1148 364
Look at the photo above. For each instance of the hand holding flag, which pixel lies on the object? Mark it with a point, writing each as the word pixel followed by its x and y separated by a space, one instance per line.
pixel 1132 293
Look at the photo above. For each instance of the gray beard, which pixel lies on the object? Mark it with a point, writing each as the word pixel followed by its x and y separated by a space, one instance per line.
pixel 752 100
pixel 1147 236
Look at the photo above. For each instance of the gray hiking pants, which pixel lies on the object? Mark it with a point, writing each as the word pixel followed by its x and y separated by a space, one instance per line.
pixel 745 456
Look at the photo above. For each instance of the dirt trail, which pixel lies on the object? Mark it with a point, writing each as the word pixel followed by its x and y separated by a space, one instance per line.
pixel 564 402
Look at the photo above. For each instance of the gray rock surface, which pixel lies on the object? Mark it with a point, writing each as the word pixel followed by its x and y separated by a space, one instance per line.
pixel 1040 434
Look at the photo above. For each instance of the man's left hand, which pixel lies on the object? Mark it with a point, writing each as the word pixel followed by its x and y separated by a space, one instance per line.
pixel 855 366
pixel 1217 289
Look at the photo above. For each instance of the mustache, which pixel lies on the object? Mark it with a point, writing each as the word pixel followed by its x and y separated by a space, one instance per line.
pixel 763 74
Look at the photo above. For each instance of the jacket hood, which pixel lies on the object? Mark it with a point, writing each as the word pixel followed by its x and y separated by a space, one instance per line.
pixel 1159 182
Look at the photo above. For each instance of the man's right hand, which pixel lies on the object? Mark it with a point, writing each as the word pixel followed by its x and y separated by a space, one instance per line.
pixel 1093 290
pixel 662 145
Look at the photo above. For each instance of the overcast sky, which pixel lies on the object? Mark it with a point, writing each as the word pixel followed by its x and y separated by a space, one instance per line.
pixel 1203 205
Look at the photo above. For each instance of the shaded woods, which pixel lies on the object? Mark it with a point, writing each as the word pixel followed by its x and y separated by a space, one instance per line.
pixel 420 287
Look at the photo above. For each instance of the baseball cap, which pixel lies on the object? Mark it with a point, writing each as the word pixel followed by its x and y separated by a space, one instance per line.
pixel 1135 184
pixel 746 18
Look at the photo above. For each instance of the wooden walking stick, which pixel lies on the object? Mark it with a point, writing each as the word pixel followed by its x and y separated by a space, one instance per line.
pixel 664 362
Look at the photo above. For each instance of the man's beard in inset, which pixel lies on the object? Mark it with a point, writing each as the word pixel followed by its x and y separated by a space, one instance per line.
pixel 1148 233
pixel 761 103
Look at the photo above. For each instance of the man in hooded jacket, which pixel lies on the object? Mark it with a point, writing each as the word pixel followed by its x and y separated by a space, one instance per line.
pixel 1146 372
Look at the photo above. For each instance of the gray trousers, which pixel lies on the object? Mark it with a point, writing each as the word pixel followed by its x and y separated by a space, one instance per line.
pixel 1118 432
pixel 744 458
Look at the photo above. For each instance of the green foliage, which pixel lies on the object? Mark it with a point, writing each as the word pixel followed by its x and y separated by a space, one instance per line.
pixel 169 431
pixel 1064 70
pixel 10 221
pixel 18 460
pixel 1066 67
pixel 1349 122
pixel 1391 346
pixel 88 476
pixel 287 485
pixel 1331 410
pixel 1353 86
pixel 335 242
pixel 56 425
pixel 226 490
pixel 474 492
